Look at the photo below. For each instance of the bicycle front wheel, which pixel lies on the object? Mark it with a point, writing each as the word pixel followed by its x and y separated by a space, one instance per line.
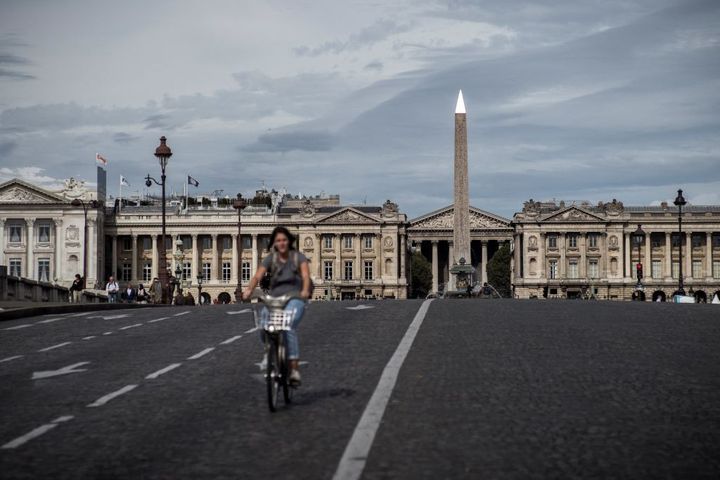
pixel 272 375
pixel 284 370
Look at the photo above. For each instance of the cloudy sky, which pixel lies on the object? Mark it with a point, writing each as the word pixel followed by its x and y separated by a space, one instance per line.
pixel 567 99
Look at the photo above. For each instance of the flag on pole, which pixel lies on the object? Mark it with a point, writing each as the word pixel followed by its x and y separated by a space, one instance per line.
pixel 192 181
pixel 100 159
pixel 123 181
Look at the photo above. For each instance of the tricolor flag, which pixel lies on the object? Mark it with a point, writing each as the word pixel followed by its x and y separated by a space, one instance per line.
pixel 100 159
pixel 123 181
pixel 193 182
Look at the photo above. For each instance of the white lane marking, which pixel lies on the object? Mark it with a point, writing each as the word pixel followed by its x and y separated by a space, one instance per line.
pixel 158 319
pixel 89 337
pixel 352 463
pixel 131 326
pixel 10 359
pixel 50 320
pixel 18 327
pixel 245 310
pixel 47 349
pixel 105 399
pixel 61 371
pixel 251 330
pixel 181 313
pixel 201 354
pixel 82 314
pixel 111 317
pixel 36 432
pixel 170 367
pixel 107 333
pixel 360 307
pixel 231 340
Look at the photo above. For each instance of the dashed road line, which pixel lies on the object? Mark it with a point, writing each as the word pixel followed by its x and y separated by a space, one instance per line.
pixel 89 337
pixel 50 320
pixel 131 326
pixel 108 333
pixel 251 330
pixel 41 430
pixel 201 354
pixel 10 359
pixel 106 398
pixel 237 312
pixel 82 314
pixel 181 313
pixel 231 339
pixel 353 460
pixel 59 345
pixel 170 367
pixel 18 327
pixel 158 319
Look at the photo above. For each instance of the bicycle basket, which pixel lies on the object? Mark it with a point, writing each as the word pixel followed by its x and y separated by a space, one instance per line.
pixel 274 320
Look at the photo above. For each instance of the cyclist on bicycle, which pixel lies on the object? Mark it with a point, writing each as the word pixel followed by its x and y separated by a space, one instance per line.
pixel 289 275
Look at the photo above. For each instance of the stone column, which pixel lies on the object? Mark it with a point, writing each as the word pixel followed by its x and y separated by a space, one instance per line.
pixel 667 268
pixel 582 267
pixel 155 259
pixel 647 268
pixel 214 277
pixel 58 269
pixel 435 266
pixel 234 274
pixel 516 256
pixel 254 261
pixel 688 251
pixel 338 274
pixel 483 260
pixel 133 259
pixel 30 269
pixel 708 255
pixel 2 242
pixel 628 262
pixel 563 262
pixel 541 255
pixel 195 267
pixel 380 260
pixel 358 257
pixel 113 259
pixel 451 255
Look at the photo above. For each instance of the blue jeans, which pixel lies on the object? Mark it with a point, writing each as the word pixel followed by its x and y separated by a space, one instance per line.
pixel 112 297
pixel 297 306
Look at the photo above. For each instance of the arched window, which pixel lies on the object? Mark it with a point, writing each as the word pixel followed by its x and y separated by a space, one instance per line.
pixel 613 266
pixel 533 266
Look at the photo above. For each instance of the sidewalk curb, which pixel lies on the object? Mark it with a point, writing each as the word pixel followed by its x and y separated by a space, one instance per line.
pixel 15 313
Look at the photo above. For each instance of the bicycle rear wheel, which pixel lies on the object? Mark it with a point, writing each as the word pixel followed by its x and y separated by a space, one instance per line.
pixel 284 370
pixel 273 373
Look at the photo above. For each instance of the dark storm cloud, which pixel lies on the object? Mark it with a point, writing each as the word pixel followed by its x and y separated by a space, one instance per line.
pixel 10 64
pixel 288 141
pixel 370 35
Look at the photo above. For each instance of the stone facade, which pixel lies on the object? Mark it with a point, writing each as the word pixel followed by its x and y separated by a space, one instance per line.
pixel 576 250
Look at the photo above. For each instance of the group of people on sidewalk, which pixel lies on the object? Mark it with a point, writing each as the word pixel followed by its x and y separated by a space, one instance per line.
pixel 130 294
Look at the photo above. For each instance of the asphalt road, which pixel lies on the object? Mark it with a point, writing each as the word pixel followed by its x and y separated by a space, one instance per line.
pixel 488 389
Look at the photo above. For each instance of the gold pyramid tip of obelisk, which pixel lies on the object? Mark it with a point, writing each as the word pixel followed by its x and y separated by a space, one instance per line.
pixel 460 107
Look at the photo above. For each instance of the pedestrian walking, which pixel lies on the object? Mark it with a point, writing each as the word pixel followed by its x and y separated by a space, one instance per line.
pixel 76 289
pixel 113 289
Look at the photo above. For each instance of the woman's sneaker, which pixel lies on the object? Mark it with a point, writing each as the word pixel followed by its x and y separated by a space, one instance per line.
pixel 295 379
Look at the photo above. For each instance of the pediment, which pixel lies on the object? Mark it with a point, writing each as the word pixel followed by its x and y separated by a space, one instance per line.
pixel 17 191
pixel 444 218
pixel 573 214
pixel 347 215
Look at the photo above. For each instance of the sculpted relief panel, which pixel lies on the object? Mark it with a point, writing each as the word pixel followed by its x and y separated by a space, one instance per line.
pixel 445 220
pixel 20 195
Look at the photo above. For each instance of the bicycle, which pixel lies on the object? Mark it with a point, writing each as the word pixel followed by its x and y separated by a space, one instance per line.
pixel 278 322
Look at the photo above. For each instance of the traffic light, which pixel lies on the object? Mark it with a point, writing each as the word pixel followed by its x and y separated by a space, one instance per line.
pixel 639 269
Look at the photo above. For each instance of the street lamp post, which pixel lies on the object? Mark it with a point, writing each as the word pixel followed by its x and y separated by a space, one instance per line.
pixel 239 204
pixel 639 236
pixel 92 204
pixel 178 256
pixel 163 154
pixel 680 202
pixel 199 282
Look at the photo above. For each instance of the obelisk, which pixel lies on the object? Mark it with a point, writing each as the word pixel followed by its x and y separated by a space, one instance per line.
pixel 461 207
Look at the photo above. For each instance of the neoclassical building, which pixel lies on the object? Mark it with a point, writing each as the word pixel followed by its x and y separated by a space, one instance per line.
pixel 433 234
pixel 571 250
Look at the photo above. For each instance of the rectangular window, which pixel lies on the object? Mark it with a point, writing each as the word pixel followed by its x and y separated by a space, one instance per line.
pixel 553 270
pixel 675 240
pixel 245 271
pixel 368 270
pixel 552 241
pixel 716 269
pixel 697 270
pixel 125 272
pixel 348 270
pixel 572 241
pixel 246 242
pixel 327 241
pixel 368 239
pixel 147 243
pixel 44 269
pixel 15 233
pixel 656 269
pixel 716 241
pixel 206 243
pixel 226 242
pixel 168 243
pixel 675 267
pixel 328 270
pixel 347 241
pixel 147 272
pixel 656 241
pixel 225 272
pixel 593 240
pixel 697 241
pixel 127 243
pixel 44 234
pixel 206 271
pixel 593 270
pixel 265 243
pixel 15 267
pixel 187 271
pixel 573 269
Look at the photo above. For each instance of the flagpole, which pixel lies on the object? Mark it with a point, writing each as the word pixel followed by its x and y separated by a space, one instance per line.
pixel 120 202
pixel 186 193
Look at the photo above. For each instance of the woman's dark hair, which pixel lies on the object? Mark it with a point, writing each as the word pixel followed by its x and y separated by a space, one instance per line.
pixel 284 231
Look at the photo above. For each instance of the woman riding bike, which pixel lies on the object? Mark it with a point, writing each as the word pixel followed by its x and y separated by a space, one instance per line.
pixel 289 275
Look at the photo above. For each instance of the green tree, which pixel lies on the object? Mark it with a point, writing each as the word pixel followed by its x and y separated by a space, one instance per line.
pixel 498 271
pixel 421 276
